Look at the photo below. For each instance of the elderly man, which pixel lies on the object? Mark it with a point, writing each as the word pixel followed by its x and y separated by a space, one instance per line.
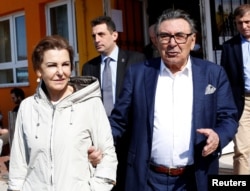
pixel 179 111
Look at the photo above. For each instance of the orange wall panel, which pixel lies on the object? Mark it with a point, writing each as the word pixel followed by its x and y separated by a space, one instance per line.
pixel 88 11
pixel 35 30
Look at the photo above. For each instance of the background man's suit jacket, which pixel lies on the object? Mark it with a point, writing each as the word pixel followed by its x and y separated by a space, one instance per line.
pixel 125 58
pixel 232 61
pixel 211 109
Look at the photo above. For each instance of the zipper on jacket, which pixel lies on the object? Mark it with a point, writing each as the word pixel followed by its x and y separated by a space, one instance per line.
pixel 51 146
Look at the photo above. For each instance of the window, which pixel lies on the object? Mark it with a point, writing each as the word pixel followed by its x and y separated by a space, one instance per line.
pixel 223 26
pixel 61 21
pixel 223 21
pixel 13 54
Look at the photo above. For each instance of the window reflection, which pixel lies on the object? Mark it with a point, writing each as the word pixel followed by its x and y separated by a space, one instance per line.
pixel 22 75
pixel 5 47
pixel 6 76
pixel 59 21
pixel 21 38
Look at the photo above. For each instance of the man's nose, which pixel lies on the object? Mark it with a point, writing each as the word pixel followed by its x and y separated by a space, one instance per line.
pixel 172 41
pixel 96 38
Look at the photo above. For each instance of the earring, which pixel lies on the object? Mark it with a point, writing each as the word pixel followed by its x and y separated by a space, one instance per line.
pixel 38 80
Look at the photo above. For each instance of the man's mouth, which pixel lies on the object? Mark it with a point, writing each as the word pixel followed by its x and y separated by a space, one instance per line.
pixel 172 53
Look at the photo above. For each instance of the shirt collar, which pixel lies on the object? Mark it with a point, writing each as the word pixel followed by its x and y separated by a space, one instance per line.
pixel 186 70
pixel 113 55
pixel 243 39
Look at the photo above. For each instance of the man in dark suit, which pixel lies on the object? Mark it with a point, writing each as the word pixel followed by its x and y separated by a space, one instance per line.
pixel 104 36
pixel 180 110
pixel 235 58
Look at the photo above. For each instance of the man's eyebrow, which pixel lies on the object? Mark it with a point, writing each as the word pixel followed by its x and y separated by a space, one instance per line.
pixel 99 33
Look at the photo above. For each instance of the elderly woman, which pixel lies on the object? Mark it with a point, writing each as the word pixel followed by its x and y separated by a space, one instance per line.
pixel 56 126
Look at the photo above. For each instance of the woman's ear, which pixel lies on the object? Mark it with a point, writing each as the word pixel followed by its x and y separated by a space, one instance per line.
pixel 39 75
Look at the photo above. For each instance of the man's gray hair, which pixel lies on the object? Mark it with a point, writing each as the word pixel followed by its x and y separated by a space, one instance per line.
pixel 176 14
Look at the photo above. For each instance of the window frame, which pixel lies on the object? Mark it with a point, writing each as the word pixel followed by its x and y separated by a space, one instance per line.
pixel 14 64
pixel 71 27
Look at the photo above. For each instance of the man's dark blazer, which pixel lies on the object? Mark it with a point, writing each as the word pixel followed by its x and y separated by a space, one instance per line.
pixel 213 107
pixel 125 58
pixel 93 68
pixel 232 61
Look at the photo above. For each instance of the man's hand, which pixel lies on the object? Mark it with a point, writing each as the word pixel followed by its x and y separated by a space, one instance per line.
pixel 94 155
pixel 212 141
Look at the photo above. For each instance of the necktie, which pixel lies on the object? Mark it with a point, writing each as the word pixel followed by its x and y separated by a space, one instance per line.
pixel 107 92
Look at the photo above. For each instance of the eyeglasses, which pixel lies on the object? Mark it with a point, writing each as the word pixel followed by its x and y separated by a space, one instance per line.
pixel 180 38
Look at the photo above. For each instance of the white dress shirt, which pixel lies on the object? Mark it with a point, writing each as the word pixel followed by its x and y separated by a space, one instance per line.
pixel 173 133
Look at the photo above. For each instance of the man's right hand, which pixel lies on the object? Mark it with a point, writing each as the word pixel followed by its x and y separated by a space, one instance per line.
pixel 94 155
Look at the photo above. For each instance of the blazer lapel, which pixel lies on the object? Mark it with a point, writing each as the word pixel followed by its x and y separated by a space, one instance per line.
pixel 151 73
pixel 238 50
pixel 198 94
pixel 97 68
pixel 121 69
